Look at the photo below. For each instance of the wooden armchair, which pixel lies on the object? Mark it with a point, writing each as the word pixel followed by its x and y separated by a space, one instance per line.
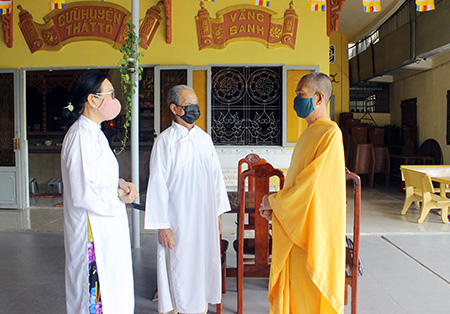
pixel 250 160
pixel 419 187
pixel 249 203
pixel 352 260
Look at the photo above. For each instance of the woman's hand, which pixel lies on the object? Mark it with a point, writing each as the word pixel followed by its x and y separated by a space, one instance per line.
pixel 127 191
pixel 166 239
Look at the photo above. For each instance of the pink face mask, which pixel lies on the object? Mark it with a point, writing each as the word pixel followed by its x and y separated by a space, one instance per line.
pixel 110 108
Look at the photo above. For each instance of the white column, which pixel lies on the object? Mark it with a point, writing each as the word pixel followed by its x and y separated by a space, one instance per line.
pixel 135 214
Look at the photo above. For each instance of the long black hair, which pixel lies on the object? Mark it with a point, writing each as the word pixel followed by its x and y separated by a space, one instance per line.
pixel 86 84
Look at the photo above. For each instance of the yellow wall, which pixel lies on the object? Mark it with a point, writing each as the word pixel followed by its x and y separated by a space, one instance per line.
pixel 295 125
pixel 311 43
pixel 311 47
pixel 430 88
pixel 199 85
pixel 340 70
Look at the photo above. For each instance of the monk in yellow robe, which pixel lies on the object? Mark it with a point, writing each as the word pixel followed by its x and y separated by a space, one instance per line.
pixel 308 215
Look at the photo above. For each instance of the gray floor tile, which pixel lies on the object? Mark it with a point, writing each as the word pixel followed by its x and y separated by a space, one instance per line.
pixel 405 272
pixel 395 281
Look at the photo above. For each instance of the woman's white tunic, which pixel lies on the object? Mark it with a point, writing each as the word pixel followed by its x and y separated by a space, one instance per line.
pixel 186 193
pixel 90 176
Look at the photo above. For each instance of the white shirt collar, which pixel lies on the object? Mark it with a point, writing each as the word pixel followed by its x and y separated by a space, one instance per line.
pixel 184 130
pixel 88 122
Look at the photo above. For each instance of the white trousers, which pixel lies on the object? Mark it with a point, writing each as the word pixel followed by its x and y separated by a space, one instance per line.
pixel 173 312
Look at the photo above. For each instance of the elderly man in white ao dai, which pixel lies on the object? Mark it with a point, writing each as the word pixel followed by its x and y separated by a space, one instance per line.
pixel 186 196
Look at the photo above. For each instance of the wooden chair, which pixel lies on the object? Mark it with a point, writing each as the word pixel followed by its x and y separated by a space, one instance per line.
pixel 347 137
pixel 250 160
pixel 223 250
pixel 350 123
pixel 249 202
pixel 382 163
pixel 376 137
pixel 359 134
pixel 343 117
pixel 365 161
pixel 352 262
pixel 420 187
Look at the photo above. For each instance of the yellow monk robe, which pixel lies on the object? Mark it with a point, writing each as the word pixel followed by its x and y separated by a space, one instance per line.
pixel 308 223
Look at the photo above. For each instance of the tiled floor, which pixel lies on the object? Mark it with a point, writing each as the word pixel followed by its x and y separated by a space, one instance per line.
pixel 405 264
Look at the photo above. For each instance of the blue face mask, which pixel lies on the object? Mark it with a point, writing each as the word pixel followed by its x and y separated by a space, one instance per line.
pixel 303 106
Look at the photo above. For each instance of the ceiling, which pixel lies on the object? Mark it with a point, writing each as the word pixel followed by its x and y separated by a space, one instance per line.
pixel 355 23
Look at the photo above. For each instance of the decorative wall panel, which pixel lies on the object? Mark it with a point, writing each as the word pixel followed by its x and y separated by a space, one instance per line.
pixel 246 105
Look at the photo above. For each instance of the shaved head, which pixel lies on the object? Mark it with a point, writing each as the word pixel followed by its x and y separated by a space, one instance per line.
pixel 319 82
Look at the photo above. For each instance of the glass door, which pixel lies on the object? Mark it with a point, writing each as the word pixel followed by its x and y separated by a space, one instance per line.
pixel 9 141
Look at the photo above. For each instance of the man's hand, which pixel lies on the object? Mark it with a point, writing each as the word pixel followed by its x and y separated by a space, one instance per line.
pixel 220 224
pixel 165 237
pixel 127 191
pixel 266 210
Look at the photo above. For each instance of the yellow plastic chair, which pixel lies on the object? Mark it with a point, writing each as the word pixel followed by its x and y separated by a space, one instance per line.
pixel 412 195
pixel 422 186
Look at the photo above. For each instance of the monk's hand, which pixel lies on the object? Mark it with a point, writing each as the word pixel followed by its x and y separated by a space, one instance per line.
pixel 127 191
pixel 265 210
pixel 166 239
pixel 220 225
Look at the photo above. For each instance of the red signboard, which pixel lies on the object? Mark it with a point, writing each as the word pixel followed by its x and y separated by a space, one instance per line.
pixel 84 21
pixel 246 22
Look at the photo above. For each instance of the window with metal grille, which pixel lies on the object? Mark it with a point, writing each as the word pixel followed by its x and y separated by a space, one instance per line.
pixel 369 97
pixel 246 105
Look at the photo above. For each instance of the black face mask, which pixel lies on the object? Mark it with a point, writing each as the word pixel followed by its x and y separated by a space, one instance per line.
pixel 191 113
